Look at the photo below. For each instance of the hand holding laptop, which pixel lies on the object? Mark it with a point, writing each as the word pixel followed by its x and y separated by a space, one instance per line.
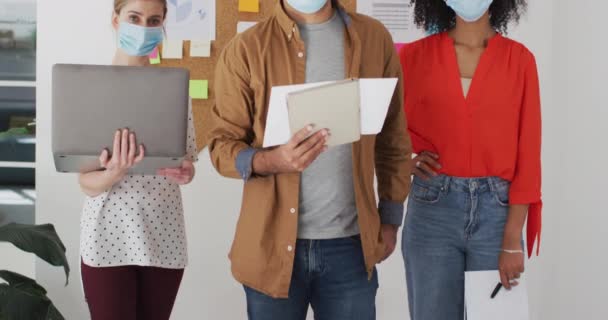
pixel 123 156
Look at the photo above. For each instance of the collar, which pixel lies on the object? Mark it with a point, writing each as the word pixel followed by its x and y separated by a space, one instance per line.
pixel 289 26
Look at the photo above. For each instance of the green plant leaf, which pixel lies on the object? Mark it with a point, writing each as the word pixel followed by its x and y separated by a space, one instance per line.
pixel 16 303
pixel 41 240
pixel 14 132
pixel 24 283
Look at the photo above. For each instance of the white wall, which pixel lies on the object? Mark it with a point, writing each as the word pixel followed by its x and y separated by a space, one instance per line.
pixel 76 31
pixel 581 70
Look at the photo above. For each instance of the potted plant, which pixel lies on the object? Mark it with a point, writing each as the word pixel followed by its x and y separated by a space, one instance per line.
pixel 22 297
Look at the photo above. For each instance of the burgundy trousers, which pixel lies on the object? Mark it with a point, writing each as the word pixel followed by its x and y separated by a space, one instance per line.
pixel 130 292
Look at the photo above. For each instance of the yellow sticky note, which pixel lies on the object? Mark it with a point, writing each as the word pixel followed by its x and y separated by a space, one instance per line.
pixel 155 57
pixel 199 89
pixel 249 5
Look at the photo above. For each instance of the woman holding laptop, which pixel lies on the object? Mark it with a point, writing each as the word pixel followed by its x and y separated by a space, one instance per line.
pixel 133 242
pixel 473 108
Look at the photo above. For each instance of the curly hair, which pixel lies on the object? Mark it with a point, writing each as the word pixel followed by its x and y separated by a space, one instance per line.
pixel 436 16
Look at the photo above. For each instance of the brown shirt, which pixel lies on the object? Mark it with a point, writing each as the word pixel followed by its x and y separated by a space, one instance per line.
pixel 272 54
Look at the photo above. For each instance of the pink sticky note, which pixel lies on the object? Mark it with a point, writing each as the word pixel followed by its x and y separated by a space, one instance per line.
pixel 398 46
pixel 154 54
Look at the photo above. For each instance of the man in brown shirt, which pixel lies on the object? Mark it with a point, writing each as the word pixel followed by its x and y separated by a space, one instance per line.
pixel 283 268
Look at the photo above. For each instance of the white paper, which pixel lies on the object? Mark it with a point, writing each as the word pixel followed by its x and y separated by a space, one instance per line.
pixel 507 305
pixel 200 49
pixel 173 49
pixel 191 20
pixel 396 15
pixel 376 96
pixel 244 25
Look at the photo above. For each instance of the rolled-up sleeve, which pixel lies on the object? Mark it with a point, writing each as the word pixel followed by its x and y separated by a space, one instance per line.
pixel 244 162
pixel 231 117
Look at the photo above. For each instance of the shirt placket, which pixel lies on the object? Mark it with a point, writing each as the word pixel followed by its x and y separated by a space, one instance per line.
pixel 297 59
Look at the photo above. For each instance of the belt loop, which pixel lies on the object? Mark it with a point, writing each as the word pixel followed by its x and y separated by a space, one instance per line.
pixel 492 183
pixel 446 183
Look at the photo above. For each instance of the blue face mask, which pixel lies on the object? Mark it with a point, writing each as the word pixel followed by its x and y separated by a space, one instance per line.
pixel 138 41
pixel 307 6
pixel 469 10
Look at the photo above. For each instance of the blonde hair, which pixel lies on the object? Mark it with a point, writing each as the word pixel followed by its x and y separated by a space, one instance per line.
pixel 119 4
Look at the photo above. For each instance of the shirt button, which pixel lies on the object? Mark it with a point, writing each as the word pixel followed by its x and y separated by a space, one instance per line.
pixel 289 248
pixel 292 210
pixel 301 54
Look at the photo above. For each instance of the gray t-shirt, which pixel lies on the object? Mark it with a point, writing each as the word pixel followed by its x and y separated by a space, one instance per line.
pixel 327 196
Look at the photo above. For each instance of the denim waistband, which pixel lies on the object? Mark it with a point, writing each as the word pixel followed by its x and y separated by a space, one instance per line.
pixel 468 185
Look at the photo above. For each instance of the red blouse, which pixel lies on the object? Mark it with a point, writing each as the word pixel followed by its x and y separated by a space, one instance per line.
pixel 494 131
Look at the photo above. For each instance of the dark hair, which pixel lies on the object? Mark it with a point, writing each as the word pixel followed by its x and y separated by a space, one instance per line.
pixel 436 16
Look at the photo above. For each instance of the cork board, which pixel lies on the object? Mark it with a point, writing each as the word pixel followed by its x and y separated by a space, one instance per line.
pixel 227 17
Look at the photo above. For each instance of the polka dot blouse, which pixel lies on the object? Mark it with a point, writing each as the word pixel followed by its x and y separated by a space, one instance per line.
pixel 139 221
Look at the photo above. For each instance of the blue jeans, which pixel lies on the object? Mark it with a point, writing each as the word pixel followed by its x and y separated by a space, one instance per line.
pixel 330 276
pixel 452 225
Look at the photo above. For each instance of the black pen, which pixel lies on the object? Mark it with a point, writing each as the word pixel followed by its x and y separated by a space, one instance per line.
pixel 495 292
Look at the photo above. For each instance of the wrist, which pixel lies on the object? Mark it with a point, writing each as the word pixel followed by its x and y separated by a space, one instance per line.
pixel 261 164
pixel 113 176
pixel 511 242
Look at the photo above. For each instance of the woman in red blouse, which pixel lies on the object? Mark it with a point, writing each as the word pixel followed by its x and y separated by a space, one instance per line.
pixel 473 107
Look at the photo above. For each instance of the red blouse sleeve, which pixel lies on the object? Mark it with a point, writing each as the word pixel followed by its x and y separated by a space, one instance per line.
pixel 526 184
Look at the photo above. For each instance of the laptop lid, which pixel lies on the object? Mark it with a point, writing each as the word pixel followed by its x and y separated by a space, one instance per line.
pixel 91 102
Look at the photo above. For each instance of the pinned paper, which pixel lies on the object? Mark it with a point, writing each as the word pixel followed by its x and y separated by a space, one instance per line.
pixel 173 49
pixel 155 57
pixel 244 25
pixel 249 5
pixel 199 89
pixel 200 49
pixel 191 19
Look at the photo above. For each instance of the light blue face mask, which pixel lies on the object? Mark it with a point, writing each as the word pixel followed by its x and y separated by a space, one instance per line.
pixel 469 10
pixel 307 6
pixel 138 41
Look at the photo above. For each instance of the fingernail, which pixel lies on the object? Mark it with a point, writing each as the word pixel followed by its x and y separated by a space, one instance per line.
pixel 309 128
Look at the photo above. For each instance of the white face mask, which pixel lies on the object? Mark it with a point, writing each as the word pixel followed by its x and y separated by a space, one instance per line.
pixel 469 10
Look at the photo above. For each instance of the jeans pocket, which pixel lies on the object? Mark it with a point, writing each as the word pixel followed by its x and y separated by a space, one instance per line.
pixel 502 196
pixel 425 193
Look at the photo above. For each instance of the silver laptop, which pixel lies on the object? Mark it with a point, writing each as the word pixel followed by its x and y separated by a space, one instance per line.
pixel 91 102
